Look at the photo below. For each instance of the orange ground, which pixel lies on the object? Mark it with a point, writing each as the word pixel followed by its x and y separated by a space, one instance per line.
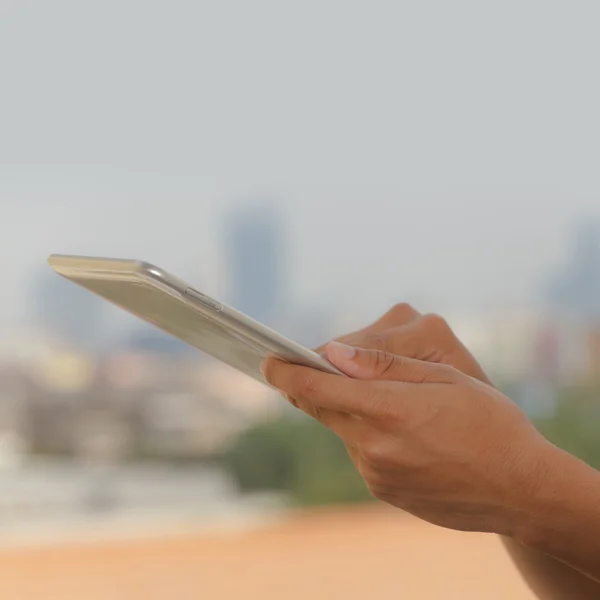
pixel 373 554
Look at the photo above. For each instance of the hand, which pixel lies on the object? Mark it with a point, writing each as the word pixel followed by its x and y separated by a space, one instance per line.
pixel 404 331
pixel 425 437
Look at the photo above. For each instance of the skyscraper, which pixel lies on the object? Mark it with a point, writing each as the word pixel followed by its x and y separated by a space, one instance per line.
pixel 255 254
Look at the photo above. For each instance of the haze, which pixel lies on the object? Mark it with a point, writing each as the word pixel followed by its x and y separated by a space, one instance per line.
pixel 431 151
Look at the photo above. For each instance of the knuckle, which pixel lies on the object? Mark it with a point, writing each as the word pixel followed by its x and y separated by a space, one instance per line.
pixel 376 454
pixel 303 385
pixel 383 362
pixel 318 413
pixel 379 406
pixel 292 400
pixel 440 372
pixel 379 341
pixel 448 371
pixel 436 324
pixel 433 373
pixel 402 312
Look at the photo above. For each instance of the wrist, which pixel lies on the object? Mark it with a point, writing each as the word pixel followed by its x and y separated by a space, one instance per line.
pixel 564 506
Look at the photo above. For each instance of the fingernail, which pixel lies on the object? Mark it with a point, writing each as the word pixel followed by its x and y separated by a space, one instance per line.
pixel 342 351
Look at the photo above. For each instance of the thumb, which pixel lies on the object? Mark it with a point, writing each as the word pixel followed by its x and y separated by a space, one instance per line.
pixel 374 364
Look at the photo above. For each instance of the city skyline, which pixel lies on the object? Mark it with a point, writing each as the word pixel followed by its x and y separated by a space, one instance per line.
pixel 220 275
pixel 255 248
pixel 411 160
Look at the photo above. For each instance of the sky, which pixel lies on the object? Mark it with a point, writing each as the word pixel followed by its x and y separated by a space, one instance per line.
pixel 438 152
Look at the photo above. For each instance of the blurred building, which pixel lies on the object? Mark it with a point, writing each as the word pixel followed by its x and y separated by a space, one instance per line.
pixel 123 405
pixel 255 251
pixel 309 326
pixel 575 289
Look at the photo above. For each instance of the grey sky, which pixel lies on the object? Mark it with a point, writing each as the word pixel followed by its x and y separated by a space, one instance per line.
pixel 437 151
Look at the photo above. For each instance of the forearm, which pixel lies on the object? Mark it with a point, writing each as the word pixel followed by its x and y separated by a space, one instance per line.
pixel 556 546
pixel 550 578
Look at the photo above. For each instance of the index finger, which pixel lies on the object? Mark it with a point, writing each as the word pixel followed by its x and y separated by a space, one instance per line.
pixel 369 399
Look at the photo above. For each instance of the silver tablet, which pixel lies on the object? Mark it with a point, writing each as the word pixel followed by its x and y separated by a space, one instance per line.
pixel 184 312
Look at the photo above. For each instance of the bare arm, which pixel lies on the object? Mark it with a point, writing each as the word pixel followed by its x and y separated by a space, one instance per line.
pixel 559 556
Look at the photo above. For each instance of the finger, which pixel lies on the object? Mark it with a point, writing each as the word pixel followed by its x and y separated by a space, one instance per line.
pixel 399 315
pixel 406 340
pixel 329 418
pixel 429 338
pixel 420 338
pixel 362 363
pixel 350 428
pixel 354 338
pixel 332 419
pixel 311 388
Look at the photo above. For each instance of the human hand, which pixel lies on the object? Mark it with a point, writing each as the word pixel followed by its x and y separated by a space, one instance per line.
pixel 406 332
pixel 425 437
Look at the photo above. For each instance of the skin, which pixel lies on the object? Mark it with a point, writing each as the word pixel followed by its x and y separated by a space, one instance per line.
pixel 431 435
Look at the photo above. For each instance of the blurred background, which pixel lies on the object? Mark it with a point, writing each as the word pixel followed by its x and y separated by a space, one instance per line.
pixel 311 164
